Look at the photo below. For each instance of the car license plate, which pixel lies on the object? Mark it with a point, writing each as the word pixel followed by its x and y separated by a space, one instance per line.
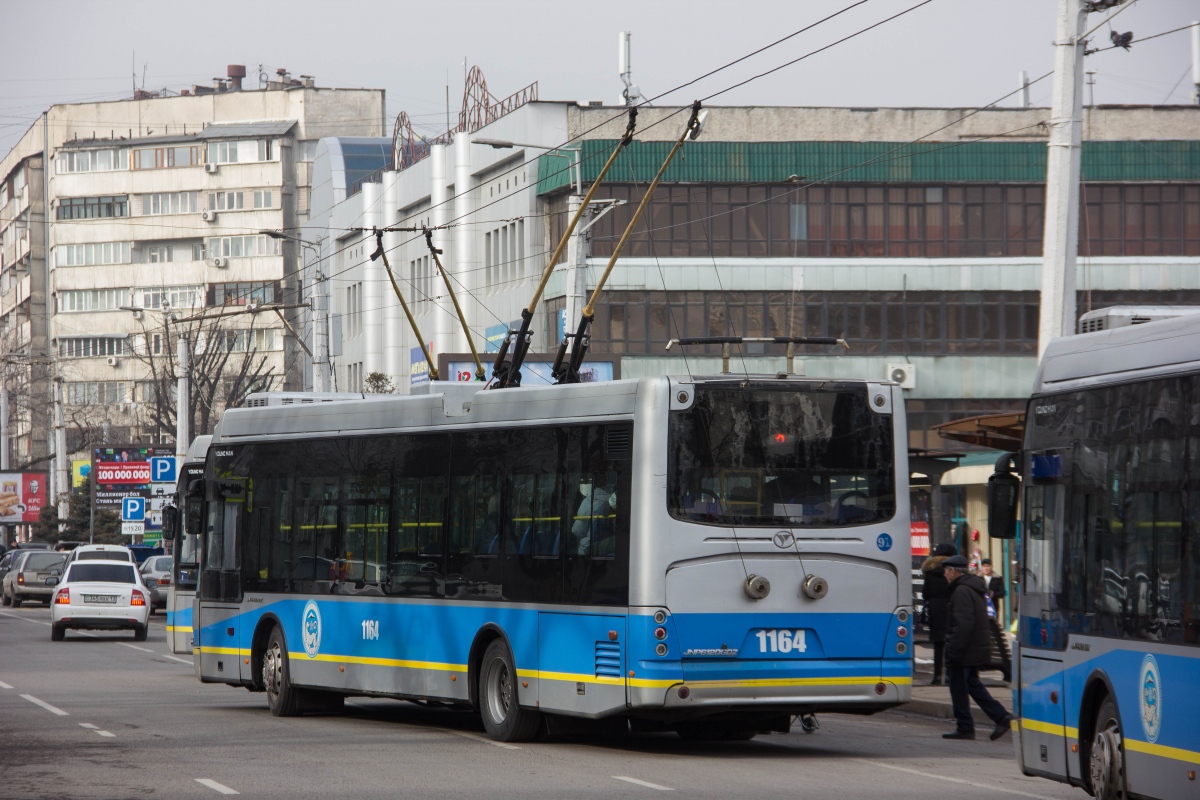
pixel 99 598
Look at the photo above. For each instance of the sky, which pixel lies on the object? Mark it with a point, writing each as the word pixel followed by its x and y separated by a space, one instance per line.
pixel 958 53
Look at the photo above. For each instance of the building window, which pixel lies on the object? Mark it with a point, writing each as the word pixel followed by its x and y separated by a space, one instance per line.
pixel 89 346
pixel 247 341
pixel 106 160
pixel 244 151
pixel 421 278
pixel 504 256
pixel 354 309
pixel 241 246
pixel 166 157
pixel 96 392
pixel 168 297
pixel 78 255
pixel 74 300
pixel 263 198
pixel 170 203
pixel 93 207
pixel 225 201
pixel 240 294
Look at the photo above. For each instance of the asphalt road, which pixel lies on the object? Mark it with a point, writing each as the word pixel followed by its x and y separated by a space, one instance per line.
pixel 102 716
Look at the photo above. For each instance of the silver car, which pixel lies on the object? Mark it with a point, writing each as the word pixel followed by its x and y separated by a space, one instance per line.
pixel 156 574
pixel 27 578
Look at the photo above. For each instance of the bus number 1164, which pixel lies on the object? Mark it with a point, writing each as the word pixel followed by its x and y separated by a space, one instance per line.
pixel 781 641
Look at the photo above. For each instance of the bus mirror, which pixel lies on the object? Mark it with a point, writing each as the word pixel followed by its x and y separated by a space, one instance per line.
pixel 196 488
pixel 1002 493
pixel 193 515
pixel 169 522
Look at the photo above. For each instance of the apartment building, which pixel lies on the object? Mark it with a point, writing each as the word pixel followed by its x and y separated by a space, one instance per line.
pixel 127 224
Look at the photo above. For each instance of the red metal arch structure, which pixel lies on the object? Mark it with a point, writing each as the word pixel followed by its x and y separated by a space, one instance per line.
pixel 479 108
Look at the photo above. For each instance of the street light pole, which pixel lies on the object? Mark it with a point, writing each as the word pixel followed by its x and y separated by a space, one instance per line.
pixel 319 297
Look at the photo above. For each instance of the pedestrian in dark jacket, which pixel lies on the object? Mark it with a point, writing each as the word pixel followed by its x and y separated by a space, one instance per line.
pixel 936 593
pixel 967 649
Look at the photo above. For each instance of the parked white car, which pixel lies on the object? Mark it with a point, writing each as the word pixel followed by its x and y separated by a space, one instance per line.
pixel 100 595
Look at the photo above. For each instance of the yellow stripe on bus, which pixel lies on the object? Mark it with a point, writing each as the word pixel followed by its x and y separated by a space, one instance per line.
pixel 1174 753
pixel 178 629
pixel 381 662
pixel 1050 728
pixel 867 680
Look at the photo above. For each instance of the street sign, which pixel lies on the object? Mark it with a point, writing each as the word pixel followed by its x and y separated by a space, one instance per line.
pixel 133 528
pixel 162 470
pixel 133 509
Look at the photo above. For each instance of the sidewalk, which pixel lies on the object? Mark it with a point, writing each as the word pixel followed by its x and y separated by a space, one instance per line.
pixel 934 701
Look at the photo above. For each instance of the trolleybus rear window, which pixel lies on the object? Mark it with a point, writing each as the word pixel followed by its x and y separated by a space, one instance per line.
pixel 767 457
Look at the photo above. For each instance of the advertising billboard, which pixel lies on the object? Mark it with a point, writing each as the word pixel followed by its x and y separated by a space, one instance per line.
pixel 22 495
pixel 143 471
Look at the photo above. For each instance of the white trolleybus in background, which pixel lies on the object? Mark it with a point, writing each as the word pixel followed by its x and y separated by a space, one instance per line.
pixel 185 555
pixel 1109 632
pixel 712 555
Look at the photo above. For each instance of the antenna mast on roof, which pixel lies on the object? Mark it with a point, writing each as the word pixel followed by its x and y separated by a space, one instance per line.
pixel 630 95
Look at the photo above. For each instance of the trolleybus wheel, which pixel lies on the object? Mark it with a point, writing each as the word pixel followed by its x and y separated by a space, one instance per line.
pixel 282 697
pixel 1107 759
pixel 503 717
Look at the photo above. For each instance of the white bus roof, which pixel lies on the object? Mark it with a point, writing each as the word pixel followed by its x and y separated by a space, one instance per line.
pixel 197 450
pixel 1137 352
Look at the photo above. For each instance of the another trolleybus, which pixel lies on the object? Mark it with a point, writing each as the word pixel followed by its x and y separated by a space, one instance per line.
pixel 1108 667
pixel 708 555
pixel 185 557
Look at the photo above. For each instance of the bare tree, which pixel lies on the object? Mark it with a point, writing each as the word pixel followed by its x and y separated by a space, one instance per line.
pixel 228 360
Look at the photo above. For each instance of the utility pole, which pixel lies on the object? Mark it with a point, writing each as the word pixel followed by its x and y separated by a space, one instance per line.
pixel 62 464
pixel 1024 81
pixel 1196 61
pixel 320 303
pixel 3 428
pixel 576 266
pixel 1061 238
pixel 183 402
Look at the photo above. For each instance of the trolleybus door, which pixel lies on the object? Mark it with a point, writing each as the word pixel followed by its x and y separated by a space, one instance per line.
pixel 217 611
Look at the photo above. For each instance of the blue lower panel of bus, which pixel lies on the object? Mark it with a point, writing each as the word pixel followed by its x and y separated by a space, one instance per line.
pixel 1155 694
pixel 582 662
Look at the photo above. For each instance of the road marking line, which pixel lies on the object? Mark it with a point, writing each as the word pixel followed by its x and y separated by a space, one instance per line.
pixel 106 733
pixel 135 647
pixel 647 784
pixel 89 726
pixel 180 660
pixel 4 685
pixel 27 619
pixel 988 787
pixel 218 787
pixel 45 705
pixel 479 738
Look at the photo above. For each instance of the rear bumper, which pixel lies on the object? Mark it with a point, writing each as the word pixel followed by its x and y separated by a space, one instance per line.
pixel 99 617
pixel 817 685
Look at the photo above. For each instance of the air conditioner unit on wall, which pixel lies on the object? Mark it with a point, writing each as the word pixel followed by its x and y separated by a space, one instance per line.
pixel 903 374
pixel 218 262
pixel 208 216
pixel 113 361
pixel 210 168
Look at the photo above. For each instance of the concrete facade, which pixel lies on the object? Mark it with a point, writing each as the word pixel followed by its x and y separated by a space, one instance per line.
pixel 155 209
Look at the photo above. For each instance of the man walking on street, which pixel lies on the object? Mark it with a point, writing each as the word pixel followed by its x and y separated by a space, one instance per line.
pixel 967 649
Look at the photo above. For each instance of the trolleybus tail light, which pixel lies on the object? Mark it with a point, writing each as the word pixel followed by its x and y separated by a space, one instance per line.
pixel 902 615
pixel 661 649
pixel 684 692
pixel 137 598
pixel 660 617
pixel 63 597
pixel 660 633
pixel 880 688
pixel 901 648
pixel 902 632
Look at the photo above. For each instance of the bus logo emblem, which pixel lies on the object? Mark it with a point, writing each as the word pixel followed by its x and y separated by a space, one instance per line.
pixel 884 542
pixel 310 628
pixel 783 539
pixel 1150 698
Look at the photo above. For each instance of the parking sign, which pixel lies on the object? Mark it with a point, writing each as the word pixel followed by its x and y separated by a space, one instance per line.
pixel 162 470
pixel 133 509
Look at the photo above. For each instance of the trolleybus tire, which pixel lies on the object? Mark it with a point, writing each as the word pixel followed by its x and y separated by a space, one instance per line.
pixel 57 633
pixel 503 717
pixel 139 634
pixel 282 698
pixel 1106 755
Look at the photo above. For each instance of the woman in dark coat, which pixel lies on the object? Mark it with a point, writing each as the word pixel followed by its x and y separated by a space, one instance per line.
pixel 936 594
